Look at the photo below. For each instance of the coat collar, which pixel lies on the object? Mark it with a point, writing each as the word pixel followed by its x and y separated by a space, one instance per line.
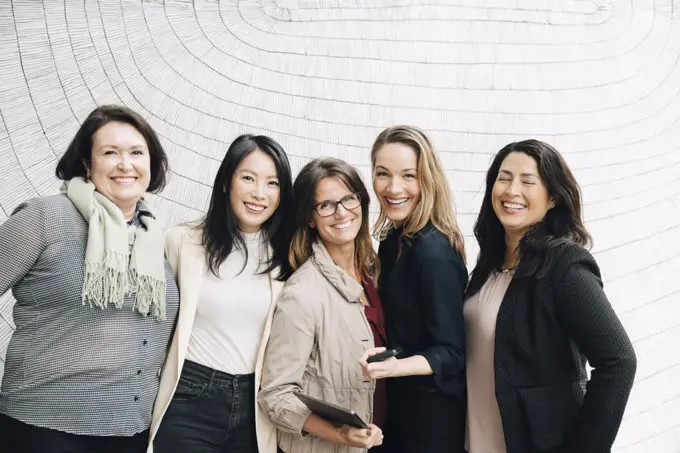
pixel 346 285
pixel 194 233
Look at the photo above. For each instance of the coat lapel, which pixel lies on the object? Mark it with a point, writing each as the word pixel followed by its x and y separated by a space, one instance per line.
pixel 275 287
pixel 266 433
pixel 193 267
pixel 189 269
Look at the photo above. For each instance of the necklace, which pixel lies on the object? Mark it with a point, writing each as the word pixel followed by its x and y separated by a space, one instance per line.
pixel 505 271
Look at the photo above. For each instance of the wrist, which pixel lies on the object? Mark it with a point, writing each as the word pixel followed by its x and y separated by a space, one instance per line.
pixel 415 365
pixel 339 436
pixel 398 369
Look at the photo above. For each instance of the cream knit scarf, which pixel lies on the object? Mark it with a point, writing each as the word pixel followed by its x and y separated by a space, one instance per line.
pixel 113 268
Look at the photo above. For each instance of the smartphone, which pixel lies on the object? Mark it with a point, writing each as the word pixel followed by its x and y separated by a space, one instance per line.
pixel 385 355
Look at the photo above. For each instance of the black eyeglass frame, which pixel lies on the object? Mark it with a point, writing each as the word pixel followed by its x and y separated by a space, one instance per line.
pixel 336 203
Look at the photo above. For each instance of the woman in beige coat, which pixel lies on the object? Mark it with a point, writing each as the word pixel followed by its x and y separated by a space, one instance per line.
pixel 320 326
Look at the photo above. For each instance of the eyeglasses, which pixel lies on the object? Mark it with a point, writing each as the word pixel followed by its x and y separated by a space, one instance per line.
pixel 328 208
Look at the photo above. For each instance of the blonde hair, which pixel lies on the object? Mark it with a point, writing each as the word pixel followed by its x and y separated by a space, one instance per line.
pixel 436 201
pixel 365 258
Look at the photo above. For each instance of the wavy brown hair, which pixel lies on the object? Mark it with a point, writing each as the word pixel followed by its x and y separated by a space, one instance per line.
pixel 436 201
pixel 304 188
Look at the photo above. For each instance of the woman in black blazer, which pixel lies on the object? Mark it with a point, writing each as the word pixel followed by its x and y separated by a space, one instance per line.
pixel 535 312
pixel 421 286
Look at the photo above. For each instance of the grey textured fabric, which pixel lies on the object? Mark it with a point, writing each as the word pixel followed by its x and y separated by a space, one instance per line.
pixel 71 367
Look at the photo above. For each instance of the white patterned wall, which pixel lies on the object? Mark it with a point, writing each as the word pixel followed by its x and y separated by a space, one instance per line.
pixel 598 79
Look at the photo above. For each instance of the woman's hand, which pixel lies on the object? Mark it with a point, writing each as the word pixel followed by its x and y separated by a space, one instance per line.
pixel 416 365
pixel 378 370
pixel 361 437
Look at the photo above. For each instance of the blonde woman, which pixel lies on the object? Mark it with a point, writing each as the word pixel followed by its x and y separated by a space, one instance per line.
pixel 421 285
pixel 322 321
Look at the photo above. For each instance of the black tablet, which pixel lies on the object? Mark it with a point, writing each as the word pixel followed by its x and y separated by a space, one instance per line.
pixel 331 412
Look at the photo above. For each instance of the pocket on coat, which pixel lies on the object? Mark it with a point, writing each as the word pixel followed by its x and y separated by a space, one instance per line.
pixel 551 412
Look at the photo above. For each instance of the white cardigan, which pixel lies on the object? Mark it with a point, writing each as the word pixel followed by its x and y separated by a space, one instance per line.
pixel 187 257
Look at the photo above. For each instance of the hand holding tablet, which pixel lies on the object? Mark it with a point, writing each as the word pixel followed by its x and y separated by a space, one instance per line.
pixel 350 428
pixel 334 414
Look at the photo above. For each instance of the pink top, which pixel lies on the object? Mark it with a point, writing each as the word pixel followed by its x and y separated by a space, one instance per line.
pixel 484 426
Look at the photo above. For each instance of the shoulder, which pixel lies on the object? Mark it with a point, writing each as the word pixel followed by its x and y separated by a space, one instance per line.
pixel 431 245
pixel 32 204
pixel 52 203
pixel 176 234
pixel 58 208
pixel 304 280
pixel 430 238
pixel 27 218
pixel 572 264
pixel 570 255
pixel 301 289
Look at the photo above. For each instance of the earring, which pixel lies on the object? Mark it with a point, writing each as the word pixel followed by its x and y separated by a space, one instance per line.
pixel 552 205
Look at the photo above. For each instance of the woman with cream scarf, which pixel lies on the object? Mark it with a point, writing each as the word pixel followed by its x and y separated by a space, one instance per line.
pixel 96 300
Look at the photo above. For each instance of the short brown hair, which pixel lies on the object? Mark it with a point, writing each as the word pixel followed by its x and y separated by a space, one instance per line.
pixel 305 192
pixel 78 155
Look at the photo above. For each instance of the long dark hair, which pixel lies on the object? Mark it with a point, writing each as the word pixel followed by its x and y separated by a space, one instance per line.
pixel 78 156
pixel 540 246
pixel 365 259
pixel 220 231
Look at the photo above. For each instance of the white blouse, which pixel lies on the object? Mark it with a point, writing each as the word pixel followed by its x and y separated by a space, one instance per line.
pixel 232 311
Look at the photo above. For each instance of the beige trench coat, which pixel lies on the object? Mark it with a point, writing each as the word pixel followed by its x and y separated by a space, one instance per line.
pixel 318 333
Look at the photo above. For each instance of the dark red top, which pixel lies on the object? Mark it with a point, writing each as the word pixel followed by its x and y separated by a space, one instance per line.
pixel 376 319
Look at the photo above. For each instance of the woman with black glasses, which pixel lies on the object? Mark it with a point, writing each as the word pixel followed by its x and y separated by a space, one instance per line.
pixel 323 316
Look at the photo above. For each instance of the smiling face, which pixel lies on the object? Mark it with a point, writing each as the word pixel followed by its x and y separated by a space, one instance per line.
pixel 341 228
pixel 395 181
pixel 519 196
pixel 254 193
pixel 120 166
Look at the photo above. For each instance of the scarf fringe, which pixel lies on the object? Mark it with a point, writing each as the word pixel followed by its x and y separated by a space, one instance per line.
pixel 148 292
pixel 106 282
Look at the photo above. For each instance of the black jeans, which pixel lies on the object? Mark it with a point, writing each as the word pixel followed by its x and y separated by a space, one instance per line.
pixel 423 421
pixel 18 437
pixel 211 412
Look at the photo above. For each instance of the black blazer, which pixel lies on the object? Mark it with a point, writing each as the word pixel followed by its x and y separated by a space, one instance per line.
pixel 422 296
pixel 545 331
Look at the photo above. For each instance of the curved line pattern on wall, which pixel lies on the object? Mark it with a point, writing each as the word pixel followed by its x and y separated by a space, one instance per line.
pixel 598 79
